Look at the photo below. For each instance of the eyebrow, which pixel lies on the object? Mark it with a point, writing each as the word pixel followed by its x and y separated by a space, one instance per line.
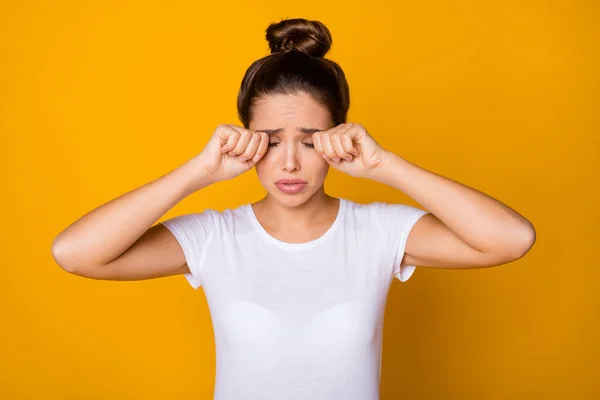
pixel 279 130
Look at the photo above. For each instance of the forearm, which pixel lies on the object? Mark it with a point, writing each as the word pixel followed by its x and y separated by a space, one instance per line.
pixel 106 232
pixel 481 221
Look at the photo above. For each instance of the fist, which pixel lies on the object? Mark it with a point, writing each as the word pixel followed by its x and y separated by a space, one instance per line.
pixel 349 148
pixel 231 151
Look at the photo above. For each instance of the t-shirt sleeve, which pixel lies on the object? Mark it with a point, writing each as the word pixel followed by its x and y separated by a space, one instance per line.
pixel 193 232
pixel 396 221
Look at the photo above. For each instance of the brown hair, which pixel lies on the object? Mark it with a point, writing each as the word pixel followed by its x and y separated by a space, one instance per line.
pixel 295 65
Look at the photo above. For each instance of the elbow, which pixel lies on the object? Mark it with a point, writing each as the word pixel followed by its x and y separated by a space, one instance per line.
pixel 73 261
pixel 61 257
pixel 525 239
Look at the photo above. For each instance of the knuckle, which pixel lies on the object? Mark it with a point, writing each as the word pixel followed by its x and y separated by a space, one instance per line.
pixel 238 149
pixel 251 149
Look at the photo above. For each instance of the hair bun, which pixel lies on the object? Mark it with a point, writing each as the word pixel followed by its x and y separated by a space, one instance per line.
pixel 309 37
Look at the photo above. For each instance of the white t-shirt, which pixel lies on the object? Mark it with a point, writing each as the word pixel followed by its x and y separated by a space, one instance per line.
pixel 297 321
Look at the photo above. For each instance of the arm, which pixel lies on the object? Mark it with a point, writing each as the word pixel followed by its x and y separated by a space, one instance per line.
pixel 467 228
pixel 96 244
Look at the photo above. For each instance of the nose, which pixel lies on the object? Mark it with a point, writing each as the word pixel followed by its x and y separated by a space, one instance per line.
pixel 290 158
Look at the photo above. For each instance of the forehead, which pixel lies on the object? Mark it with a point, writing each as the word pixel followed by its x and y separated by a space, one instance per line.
pixel 286 111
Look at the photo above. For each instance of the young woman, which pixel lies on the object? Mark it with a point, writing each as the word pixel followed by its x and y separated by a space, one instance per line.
pixel 297 282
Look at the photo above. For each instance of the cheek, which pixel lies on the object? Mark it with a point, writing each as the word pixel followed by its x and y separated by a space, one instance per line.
pixel 324 169
pixel 265 166
pixel 319 162
pixel 318 167
pixel 261 167
pixel 312 163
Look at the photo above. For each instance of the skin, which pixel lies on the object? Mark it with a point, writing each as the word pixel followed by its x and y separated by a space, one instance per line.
pixel 307 215
pixel 465 229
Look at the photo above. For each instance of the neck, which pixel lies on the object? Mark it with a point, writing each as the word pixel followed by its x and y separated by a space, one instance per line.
pixel 276 214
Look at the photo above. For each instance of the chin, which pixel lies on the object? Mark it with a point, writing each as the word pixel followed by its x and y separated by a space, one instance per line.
pixel 292 200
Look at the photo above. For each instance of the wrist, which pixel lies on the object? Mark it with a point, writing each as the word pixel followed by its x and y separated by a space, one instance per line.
pixel 195 175
pixel 380 172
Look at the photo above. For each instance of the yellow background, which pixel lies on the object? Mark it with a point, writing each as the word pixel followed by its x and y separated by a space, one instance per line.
pixel 98 98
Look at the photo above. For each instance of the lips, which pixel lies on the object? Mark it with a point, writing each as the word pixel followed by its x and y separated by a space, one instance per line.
pixel 291 186
pixel 290 182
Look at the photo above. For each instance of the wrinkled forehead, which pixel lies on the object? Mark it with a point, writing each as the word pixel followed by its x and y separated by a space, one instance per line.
pixel 288 112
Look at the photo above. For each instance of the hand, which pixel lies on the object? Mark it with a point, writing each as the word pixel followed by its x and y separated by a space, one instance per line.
pixel 350 149
pixel 231 151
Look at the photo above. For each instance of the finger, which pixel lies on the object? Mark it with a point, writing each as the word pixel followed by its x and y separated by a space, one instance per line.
pixel 353 131
pixel 234 130
pixel 348 134
pixel 349 145
pixel 262 147
pixel 242 143
pixel 232 139
pixel 316 140
pixel 222 132
pixel 337 128
pixel 337 131
pixel 336 141
pixel 328 148
pixel 250 151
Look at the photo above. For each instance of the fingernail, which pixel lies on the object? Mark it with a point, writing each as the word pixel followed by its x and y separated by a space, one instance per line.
pixel 337 159
pixel 242 159
pixel 256 158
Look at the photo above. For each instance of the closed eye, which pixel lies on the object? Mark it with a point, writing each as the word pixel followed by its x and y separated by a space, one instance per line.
pixel 309 145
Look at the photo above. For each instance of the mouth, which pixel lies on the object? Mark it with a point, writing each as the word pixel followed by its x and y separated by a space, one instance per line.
pixel 291 186
pixel 291 182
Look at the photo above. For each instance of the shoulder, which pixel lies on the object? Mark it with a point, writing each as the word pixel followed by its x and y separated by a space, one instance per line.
pixel 380 208
pixel 365 215
pixel 385 216
pixel 209 217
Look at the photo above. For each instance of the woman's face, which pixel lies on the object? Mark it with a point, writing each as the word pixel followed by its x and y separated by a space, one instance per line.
pixel 290 120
